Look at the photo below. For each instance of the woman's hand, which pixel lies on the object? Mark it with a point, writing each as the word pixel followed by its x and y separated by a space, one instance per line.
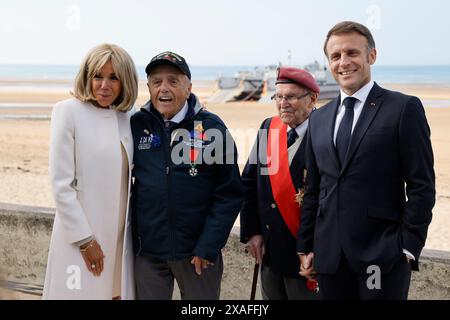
pixel 93 257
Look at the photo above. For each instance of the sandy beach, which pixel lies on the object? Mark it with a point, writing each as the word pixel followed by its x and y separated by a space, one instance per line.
pixel 24 141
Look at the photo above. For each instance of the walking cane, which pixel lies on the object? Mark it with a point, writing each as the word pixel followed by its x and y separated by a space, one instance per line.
pixel 255 281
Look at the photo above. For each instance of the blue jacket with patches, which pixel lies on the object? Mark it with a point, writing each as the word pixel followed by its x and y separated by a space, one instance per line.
pixel 180 209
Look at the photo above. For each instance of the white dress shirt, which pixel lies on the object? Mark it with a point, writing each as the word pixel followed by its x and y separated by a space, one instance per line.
pixel 301 129
pixel 180 115
pixel 361 95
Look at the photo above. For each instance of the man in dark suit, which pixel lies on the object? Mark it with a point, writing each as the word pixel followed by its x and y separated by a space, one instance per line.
pixel 370 184
pixel 271 215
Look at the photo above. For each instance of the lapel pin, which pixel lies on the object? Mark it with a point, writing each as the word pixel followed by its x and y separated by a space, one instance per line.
pixel 372 104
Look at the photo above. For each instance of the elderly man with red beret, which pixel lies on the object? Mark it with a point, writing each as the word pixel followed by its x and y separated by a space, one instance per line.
pixel 273 179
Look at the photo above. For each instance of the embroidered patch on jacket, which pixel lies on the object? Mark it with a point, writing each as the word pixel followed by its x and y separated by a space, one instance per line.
pixel 149 141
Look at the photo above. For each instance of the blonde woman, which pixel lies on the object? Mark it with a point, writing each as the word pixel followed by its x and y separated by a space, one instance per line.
pixel 91 152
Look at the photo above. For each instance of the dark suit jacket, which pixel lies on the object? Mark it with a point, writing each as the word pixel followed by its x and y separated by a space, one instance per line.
pixel 360 208
pixel 260 215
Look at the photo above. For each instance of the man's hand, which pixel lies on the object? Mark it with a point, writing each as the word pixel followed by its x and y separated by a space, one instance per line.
pixel 256 247
pixel 200 263
pixel 307 265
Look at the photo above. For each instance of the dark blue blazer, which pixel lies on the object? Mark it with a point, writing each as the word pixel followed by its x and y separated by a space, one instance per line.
pixel 380 200
pixel 260 215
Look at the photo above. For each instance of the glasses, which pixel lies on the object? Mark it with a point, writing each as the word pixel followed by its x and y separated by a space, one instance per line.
pixel 289 99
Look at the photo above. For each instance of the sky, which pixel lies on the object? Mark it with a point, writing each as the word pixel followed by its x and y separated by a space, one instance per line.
pixel 220 32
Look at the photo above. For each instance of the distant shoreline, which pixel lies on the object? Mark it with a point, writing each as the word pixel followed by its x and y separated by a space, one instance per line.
pixel 404 74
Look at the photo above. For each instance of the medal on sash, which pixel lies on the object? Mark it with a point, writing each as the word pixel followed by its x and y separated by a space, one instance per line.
pixel 301 191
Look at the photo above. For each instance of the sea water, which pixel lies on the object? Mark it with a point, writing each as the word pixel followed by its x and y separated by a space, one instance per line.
pixel 381 74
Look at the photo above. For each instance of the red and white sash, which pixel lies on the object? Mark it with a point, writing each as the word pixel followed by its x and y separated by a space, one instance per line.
pixel 283 189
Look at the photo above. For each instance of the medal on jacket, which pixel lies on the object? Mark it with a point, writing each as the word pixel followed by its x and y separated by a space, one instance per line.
pixel 301 191
pixel 193 170
pixel 193 157
pixel 196 134
pixel 148 141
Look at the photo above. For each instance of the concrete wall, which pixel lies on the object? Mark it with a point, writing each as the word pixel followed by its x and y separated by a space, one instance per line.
pixel 24 238
pixel 25 234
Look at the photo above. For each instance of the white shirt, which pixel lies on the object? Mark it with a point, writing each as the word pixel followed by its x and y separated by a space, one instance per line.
pixel 361 95
pixel 180 115
pixel 301 129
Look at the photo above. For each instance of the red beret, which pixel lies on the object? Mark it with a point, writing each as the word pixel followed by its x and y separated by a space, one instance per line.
pixel 298 76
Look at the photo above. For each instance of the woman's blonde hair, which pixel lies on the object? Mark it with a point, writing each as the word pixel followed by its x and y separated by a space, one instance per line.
pixel 124 69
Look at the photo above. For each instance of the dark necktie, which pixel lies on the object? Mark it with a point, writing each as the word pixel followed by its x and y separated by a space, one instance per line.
pixel 291 137
pixel 345 129
pixel 168 126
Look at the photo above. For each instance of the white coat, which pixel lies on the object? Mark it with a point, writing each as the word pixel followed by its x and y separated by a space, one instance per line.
pixel 85 172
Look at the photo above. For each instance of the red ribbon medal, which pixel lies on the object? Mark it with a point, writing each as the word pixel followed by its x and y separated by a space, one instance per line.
pixel 197 134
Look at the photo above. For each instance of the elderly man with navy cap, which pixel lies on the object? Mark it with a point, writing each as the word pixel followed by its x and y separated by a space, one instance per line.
pixel 273 179
pixel 184 201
